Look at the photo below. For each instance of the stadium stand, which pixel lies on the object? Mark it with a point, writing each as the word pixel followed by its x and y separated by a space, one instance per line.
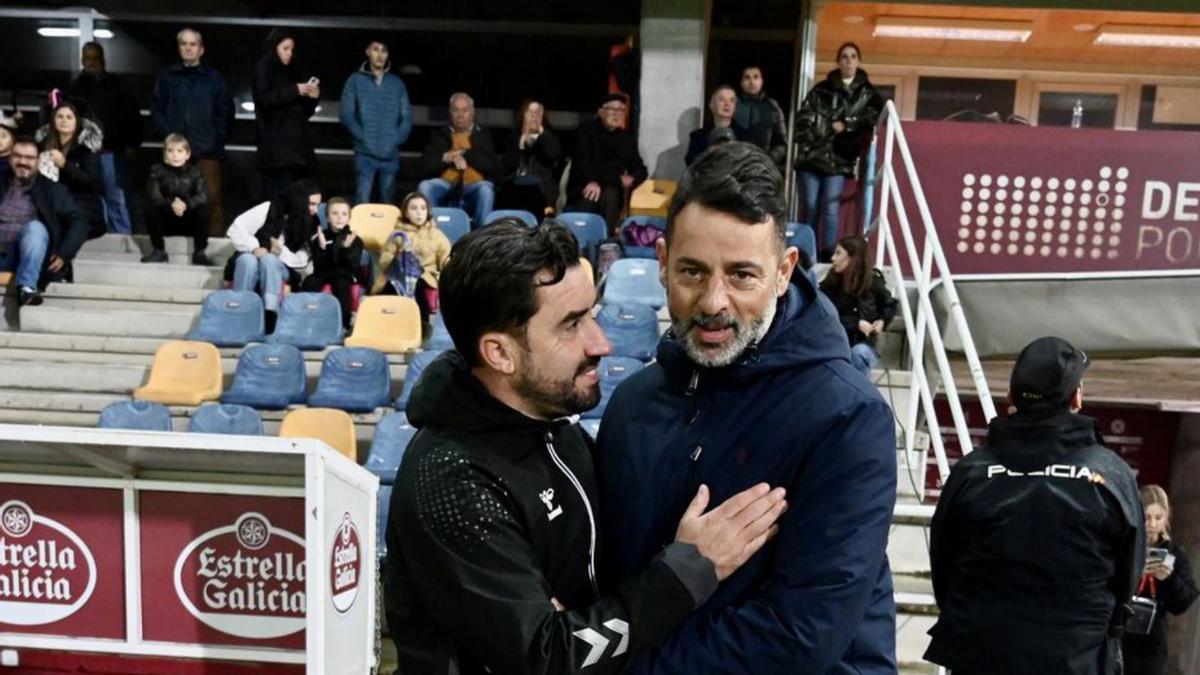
pixel 453 222
pixel 520 214
pixel 802 237
pixel 335 428
pixel 354 379
pixel 184 373
pixel 439 338
pixel 308 321
pixel 632 329
pixel 389 323
pixel 225 418
pixel 140 415
pixel 634 281
pixel 613 369
pixel 416 365
pixel 589 229
pixel 392 435
pixel 374 223
pixel 268 377
pixel 630 235
pixel 230 319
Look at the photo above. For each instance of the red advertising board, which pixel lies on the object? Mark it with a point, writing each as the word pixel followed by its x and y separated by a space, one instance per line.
pixel 223 569
pixel 1016 199
pixel 62 561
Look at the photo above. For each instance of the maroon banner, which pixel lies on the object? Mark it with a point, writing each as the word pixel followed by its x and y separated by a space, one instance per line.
pixel 62 561
pixel 223 569
pixel 1015 199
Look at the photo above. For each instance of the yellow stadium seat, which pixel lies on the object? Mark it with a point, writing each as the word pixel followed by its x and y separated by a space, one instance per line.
pixel 374 223
pixel 652 197
pixel 6 278
pixel 587 267
pixel 184 373
pixel 335 428
pixel 389 323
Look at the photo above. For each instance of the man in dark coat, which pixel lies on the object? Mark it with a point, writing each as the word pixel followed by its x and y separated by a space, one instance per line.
pixel 191 99
pixel 606 167
pixel 41 228
pixel 114 107
pixel 492 534
pixel 1038 539
pixel 759 118
pixel 753 382
pixel 460 163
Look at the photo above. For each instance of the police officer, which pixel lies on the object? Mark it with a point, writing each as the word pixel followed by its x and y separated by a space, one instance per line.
pixel 1038 538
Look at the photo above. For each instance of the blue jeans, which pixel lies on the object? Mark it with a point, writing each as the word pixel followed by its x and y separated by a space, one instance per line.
pixel 266 275
pixel 117 212
pixel 477 198
pixel 863 357
pixel 829 191
pixel 367 170
pixel 27 254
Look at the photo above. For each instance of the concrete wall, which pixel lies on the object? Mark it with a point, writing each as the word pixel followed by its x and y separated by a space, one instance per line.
pixel 1185 526
pixel 674 37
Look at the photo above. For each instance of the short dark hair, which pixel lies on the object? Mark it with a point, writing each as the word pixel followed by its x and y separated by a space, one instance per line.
pixel 858 51
pixel 490 284
pixel 24 139
pixel 94 45
pixel 736 178
pixel 333 201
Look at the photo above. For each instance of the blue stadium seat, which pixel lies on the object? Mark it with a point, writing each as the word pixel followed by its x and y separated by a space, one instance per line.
pixel 308 321
pixel 268 377
pixel 520 214
pixel 226 418
pixel 632 329
pixel 354 379
pixel 589 228
pixel 392 435
pixel 632 251
pixel 416 365
pixel 802 237
pixel 439 338
pixel 139 415
pixel 591 426
pixel 454 223
pixel 384 500
pixel 230 319
pixel 613 369
pixel 634 281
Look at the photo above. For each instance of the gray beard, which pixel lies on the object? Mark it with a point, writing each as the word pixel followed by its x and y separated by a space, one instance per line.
pixel 743 337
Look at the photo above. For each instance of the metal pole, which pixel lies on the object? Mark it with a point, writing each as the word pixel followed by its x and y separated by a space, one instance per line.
pixel 803 65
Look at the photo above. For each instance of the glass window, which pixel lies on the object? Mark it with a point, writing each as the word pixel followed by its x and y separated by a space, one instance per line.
pixel 1056 108
pixel 1146 109
pixel 965 99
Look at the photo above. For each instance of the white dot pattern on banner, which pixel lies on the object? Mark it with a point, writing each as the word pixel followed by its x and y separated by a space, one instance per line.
pixel 1050 204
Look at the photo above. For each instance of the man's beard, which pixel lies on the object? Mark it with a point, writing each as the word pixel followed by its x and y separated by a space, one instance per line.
pixel 743 335
pixel 560 398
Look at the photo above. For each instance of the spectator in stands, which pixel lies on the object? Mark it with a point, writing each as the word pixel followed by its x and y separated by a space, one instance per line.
pixel 759 116
pixel 1167 585
pixel 607 166
pixel 8 134
pixel 69 146
pixel 41 228
pixel 273 240
pixel 283 102
pixel 531 163
pixel 191 99
pixel 1037 541
pixel 414 256
pixel 115 108
pixel 863 301
pixel 746 351
pixel 337 259
pixel 491 533
pixel 178 202
pixel 722 105
pixel 461 160
pixel 830 127
pixel 376 112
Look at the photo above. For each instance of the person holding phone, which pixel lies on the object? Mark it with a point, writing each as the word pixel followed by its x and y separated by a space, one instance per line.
pixel 283 102
pixel 1166 586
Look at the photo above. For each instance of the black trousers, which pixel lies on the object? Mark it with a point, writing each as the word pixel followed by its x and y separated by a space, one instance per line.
pixel 161 221
pixel 342 290
pixel 612 200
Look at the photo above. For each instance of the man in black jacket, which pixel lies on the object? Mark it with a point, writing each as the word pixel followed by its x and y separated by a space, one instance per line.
pixel 40 225
pixel 606 167
pixel 493 531
pixel 460 162
pixel 1038 538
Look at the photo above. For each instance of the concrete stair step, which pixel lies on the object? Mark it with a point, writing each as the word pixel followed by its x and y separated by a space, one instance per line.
pixel 105 304
pixel 74 377
pixel 102 292
pixel 104 344
pixel 140 244
pixel 173 324
pixel 118 273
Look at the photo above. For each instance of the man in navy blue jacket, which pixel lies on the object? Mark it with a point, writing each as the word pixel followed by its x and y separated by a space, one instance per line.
pixel 753 383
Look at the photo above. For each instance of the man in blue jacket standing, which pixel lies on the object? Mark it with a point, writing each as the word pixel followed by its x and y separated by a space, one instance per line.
pixel 753 383
pixel 376 112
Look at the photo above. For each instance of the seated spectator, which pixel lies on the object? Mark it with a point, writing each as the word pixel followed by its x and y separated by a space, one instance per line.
pixel 864 303
pixel 272 241
pixel 722 104
pixel 414 256
pixel 178 201
pixel 531 163
pixel 460 161
pixel 41 227
pixel 337 258
pixel 8 134
pixel 69 146
pixel 607 166
pixel 284 99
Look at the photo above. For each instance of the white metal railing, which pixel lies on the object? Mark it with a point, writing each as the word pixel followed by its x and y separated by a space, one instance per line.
pixel 921 327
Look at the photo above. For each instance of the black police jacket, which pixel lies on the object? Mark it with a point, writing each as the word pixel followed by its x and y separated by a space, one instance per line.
pixel 493 514
pixel 1037 542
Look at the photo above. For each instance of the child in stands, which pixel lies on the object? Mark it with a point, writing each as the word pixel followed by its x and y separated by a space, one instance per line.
pixel 178 202
pixel 414 256
pixel 337 258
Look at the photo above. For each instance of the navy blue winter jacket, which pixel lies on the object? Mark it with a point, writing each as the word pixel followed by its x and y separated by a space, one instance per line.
pixel 376 113
pixel 195 102
pixel 792 412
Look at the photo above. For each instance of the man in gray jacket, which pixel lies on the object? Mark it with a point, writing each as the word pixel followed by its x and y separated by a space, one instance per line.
pixel 376 112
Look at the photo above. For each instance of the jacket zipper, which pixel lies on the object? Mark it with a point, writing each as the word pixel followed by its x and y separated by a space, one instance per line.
pixel 562 466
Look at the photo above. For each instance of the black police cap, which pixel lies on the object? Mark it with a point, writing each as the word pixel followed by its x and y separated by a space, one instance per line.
pixel 1047 373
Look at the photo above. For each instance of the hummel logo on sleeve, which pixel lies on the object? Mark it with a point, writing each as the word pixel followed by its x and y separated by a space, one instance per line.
pixel 547 497
pixel 598 643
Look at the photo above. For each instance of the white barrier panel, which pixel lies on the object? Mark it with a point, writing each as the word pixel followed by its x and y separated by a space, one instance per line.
pixel 185 547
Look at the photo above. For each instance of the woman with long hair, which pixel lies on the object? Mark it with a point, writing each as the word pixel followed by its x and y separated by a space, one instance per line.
pixel 864 303
pixel 531 162
pixel 1166 587
pixel 283 102
pixel 69 144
